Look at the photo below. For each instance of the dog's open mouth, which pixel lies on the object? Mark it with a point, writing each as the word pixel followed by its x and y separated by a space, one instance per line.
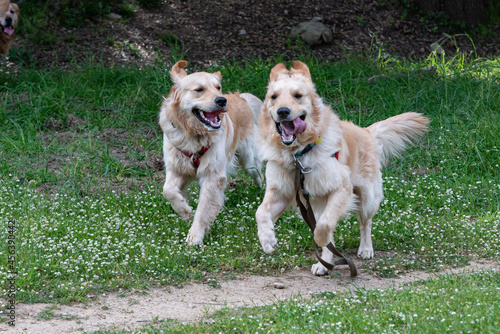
pixel 209 119
pixel 289 130
pixel 9 30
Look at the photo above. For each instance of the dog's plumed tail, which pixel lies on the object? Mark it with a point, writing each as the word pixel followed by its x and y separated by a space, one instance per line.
pixel 396 133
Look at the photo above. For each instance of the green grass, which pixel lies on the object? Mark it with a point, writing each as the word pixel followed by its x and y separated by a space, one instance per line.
pixel 454 304
pixel 76 176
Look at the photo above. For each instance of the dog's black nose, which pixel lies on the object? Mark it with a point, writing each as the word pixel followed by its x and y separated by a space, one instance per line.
pixel 8 21
pixel 221 101
pixel 283 113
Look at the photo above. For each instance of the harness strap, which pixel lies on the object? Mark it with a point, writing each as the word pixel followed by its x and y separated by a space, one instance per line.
pixel 308 216
pixel 196 156
pixel 307 149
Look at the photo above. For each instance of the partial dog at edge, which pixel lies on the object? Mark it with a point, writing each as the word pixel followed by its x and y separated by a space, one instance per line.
pixel 203 131
pixel 9 14
pixel 346 160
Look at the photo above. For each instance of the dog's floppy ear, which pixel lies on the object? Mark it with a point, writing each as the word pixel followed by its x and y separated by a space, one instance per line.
pixel 300 68
pixel 276 71
pixel 16 9
pixel 218 75
pixel 178 72
pixel 4 6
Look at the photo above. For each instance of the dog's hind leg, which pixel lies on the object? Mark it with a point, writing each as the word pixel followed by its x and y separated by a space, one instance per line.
pixel 173 192
pixel 365 250
pixel 369 202
pixel 209 204
pixel 250 161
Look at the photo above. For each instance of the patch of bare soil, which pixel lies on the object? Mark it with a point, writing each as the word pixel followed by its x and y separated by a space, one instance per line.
pixel 212 31
pixel 197 301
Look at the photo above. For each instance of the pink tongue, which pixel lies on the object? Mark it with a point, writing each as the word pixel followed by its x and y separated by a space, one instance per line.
pixel 292 128
pixel 213 114
pixel 8 30
pixel 300 125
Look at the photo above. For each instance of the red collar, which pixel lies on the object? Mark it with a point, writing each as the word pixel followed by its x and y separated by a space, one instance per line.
pixel 196 156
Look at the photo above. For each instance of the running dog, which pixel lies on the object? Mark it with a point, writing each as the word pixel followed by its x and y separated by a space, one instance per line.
pixel 9 14
pixel 205 133
pixel 343 161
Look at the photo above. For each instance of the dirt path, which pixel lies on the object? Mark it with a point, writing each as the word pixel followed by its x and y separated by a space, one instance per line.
pixel 195 301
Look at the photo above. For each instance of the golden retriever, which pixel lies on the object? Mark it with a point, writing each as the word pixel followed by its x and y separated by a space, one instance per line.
pixel 345 160
pixel 204 134
pixel 9 13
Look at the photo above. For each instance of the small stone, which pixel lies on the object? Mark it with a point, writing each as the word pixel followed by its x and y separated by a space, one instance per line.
pixel 191 306
pixel 279 285
pixel 243 32
pixel 435 47
pixel 115 16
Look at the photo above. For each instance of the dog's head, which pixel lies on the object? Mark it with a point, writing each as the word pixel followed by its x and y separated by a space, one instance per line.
pixel 197 97
pixel 291 103
pixel 9 13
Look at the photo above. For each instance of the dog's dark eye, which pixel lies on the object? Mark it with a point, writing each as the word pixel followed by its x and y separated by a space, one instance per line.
pixel 273 97
pixel 298 96
pixel 199 90
pixel 218 87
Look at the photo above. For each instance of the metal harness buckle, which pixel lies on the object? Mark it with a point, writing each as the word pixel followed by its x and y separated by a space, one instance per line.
pixel 300 166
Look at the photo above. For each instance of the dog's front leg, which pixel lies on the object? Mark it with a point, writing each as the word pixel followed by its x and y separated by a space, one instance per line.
pixel 209 204
pixel 339 203
pixel 172 191
pixel 273 205
pixel 318 268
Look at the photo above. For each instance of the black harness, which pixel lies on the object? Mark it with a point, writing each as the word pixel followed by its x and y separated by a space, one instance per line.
pixel 308 214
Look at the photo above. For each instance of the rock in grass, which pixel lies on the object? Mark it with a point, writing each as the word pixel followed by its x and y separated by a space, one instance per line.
pixel 279 285
pixel 312 32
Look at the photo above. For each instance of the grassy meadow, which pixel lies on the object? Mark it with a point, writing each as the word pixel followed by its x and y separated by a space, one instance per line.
pixel 81 177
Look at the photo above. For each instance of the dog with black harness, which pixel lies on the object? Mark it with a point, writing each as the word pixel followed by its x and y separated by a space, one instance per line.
pixel 332 166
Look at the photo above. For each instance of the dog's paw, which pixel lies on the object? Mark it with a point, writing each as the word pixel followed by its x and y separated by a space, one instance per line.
pixel 318 269
pixel 322 235
pixel 268 242
pixel 195 237
pixel 186 213
pixel 365 253
pixel 269 247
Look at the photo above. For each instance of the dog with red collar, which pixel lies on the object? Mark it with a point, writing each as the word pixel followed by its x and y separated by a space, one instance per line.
pixel 203 132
